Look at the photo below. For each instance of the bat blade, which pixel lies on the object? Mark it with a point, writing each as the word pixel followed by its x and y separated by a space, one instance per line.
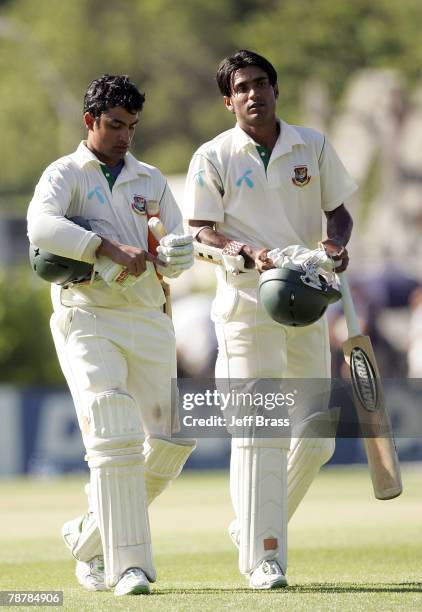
pixel 373 418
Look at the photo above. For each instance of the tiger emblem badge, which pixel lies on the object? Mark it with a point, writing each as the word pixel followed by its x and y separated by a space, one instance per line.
pixel 139 204
pixel 301 176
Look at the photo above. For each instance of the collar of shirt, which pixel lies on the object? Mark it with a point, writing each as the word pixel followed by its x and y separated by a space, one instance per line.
pixel 133 167
pixel 287 138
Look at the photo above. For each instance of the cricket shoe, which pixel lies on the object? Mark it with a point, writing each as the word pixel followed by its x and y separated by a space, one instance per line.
pixel 268 575
pixel 132 582
pixel 91 575
pixel 234 533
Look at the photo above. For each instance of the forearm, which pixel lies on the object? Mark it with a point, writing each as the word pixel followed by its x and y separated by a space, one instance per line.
pixel 339 226
pixel 209 235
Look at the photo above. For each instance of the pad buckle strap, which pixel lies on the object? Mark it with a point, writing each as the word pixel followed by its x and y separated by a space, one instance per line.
pixel 233 248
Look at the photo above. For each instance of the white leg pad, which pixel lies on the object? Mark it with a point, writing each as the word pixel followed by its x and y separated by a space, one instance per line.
pixel 261 494
pixel 306 457
pixel 164 460
pixel 114 442
pixel 83 538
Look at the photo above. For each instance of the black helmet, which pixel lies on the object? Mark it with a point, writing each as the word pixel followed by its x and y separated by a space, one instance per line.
pixel 56 269
pixel 292 298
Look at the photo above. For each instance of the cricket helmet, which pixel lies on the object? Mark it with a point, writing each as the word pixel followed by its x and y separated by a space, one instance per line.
pixel 56 269
pixel 291 298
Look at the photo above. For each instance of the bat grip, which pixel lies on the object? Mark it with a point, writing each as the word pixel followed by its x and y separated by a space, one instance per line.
pixel 352 320
pixel 157 228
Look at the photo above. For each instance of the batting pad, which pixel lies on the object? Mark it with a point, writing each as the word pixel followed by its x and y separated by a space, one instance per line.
pixel 306 457
pixel 114 452
pixel 259 474
pixel 164 460
pixel 82 537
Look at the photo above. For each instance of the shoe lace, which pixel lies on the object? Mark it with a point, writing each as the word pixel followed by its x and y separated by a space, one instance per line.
pixel 270 567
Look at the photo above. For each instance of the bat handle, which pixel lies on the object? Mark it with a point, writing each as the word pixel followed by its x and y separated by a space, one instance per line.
pixel 352 320
pixel 157 228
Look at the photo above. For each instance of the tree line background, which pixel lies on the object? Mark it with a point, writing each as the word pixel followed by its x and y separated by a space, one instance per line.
pixel 51 49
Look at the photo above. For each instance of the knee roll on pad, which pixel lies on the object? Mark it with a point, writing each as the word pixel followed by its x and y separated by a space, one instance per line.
pixel 261 492
pixel 164 460
pixel 114 431
pixel 113 442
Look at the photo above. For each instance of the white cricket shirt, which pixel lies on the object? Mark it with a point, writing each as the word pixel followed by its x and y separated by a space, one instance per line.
pixel 282 205
pixel 75 185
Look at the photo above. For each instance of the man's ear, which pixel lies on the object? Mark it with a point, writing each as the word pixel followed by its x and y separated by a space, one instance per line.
pixel 276 92
pixel 228 103
pixel 89 121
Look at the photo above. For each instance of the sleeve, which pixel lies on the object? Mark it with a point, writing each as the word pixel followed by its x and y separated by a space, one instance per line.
pixel 336 183
pixel 204 191
pixel 170 213
pixel 48 228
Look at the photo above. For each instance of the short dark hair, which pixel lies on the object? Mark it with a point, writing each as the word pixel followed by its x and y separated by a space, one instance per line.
pixel 242 59
pixel 109 91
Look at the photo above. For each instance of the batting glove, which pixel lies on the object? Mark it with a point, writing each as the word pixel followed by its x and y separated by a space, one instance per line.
pixel 176 254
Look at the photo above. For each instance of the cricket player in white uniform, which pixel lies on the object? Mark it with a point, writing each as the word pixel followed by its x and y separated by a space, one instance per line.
pixel 115 343
pixel 259 186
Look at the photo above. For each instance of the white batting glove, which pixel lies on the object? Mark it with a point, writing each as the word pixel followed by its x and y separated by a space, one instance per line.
pixel 176 253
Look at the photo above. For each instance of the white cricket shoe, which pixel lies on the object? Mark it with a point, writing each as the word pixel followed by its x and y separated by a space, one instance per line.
pixel 132 582
pixel 234 532
pixel 268 575
pixel 91 574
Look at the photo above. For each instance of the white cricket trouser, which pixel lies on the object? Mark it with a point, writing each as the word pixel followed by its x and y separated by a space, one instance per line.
pixel 128 348
pixel 251 345
pixel 118 363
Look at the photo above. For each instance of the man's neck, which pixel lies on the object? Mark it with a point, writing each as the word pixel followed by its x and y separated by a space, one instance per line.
pixel 266 136
pixel 110 163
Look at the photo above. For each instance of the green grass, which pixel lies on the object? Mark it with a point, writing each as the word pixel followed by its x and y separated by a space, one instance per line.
pixel 347 551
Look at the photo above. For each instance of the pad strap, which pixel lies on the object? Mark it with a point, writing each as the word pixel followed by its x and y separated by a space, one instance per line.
pixel 233 248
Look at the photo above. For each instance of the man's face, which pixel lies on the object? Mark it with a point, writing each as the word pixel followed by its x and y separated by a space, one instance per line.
pixel 253 98
pixel 110 135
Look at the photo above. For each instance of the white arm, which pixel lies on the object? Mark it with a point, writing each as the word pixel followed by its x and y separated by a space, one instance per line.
pixel 352 321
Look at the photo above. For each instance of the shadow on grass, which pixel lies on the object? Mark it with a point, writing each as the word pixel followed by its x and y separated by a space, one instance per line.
pixel 400 587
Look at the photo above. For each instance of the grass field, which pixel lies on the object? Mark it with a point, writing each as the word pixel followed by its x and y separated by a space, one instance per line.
pixel 347 551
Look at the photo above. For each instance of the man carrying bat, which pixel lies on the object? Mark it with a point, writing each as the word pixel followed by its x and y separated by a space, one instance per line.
pixel 115 343
pixel 260 186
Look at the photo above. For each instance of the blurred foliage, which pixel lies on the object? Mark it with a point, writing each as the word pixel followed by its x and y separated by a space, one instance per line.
pixel 27 354
pixel 171 49
pixel 51 49
pixel 329 41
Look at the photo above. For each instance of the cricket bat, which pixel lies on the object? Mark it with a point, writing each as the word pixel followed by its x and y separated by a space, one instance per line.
pixel 158 230
pixel 369 400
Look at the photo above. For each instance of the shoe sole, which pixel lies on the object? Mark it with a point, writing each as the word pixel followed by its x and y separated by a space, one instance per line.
pixel 138 590
pixel 279 584
pixel 92 589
